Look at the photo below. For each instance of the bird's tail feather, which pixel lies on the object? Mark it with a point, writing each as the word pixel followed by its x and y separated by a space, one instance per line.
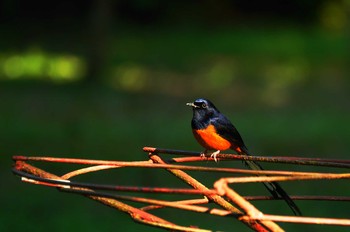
pixel 275 189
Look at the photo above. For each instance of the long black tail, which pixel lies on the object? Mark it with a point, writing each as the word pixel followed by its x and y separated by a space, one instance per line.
pixel 275 189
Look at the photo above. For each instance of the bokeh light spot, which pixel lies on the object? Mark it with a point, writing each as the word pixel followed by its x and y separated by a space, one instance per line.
pixel 131 77
pixel 13 67
pixel 36 64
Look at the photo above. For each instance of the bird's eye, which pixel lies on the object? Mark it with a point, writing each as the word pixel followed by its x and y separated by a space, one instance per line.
pixel 204 105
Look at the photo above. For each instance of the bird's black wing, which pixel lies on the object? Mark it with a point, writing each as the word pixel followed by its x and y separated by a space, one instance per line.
pixel 227 130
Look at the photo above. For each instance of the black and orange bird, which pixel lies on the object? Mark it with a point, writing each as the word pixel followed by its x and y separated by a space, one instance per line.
pixel 216 133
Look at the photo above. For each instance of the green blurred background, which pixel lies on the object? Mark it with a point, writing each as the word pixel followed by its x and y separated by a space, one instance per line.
pixel 101 79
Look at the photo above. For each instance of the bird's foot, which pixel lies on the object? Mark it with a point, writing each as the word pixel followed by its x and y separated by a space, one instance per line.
pixel 203 154
pixel 214 154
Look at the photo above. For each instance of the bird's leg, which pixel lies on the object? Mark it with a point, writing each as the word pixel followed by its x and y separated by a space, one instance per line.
pixel 214 154
pixel 203 154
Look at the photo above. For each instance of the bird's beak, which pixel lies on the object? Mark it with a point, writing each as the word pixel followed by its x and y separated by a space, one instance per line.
pixel 191 104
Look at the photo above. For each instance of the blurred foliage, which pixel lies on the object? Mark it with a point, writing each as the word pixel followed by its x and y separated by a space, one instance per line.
pixel 35 64
pixel 101 79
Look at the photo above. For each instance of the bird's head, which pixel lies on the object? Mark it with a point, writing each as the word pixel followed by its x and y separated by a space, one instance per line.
pixel 203 107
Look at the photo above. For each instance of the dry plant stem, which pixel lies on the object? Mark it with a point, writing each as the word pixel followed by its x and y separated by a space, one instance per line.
pixel 169 227
pixel 314 198
pixel 250 210
pixel 256 179
pixel 304 220
pixel 222 188
pixel 184 205
pixel 62 184
pixel 87 170
pixel 273 159
pixel 186 202
pixel 218 212
pixel 147 164
pixel 144 217
pixel 252 217
pixel 135 213
pixel 67 184
pixel 255 225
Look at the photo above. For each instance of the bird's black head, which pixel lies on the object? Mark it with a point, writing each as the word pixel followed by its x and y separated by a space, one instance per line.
pixel 203 110
pixel 202 104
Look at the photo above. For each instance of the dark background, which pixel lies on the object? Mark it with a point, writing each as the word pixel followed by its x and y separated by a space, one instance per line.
pixel 101 79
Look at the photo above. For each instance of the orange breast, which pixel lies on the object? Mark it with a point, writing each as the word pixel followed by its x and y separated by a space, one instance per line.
pixel 210 140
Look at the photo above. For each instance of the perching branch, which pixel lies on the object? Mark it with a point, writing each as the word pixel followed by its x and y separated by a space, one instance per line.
pixel 228 200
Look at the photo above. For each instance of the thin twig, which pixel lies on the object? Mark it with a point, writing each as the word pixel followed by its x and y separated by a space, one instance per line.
pixel 147 164
pixel 177 204
pixel 251 216
pixel 137 214
pixel 274 159
pixel 303 220
pixel 67 184
pixel 256 225
pixel 255 179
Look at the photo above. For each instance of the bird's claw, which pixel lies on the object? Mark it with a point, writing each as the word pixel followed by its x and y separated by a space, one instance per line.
pixel 214 154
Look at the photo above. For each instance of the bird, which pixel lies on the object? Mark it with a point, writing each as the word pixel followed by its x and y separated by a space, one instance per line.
pixel 214 131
